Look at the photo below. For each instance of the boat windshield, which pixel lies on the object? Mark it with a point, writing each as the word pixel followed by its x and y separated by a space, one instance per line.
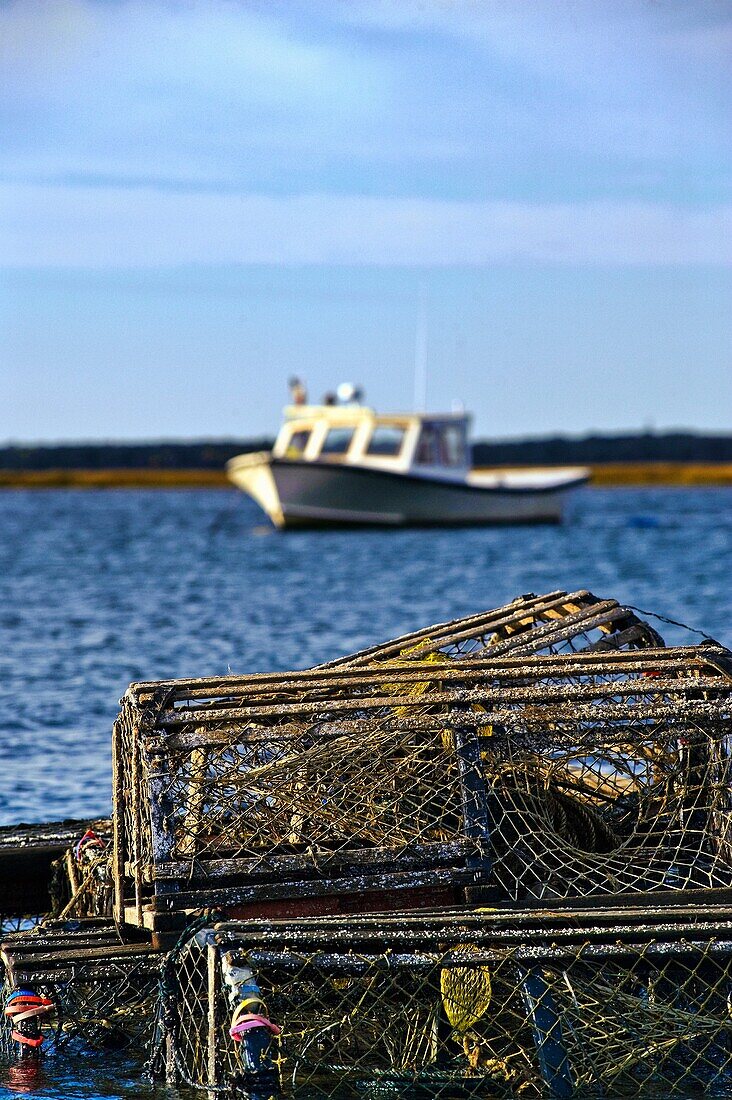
pixel 386 440
pixel 337 442
pixel 297 443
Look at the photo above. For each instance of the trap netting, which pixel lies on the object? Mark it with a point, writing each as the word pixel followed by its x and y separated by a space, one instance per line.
pixel 556 622
pixel 560 777
pixel 29 888
pixel 483 1004
pixel 82 884
pixel 105 993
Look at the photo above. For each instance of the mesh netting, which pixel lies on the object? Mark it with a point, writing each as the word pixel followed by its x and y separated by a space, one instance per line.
pixel 556 777
pixel 82 884
pixel 557 622
pixel 105 993
pixel 487 1005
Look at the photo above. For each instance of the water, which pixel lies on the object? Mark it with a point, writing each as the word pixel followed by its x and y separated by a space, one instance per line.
pixel 101 588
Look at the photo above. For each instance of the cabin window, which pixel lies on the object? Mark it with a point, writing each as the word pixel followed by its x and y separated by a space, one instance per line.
pixel 297 443
pixel 337 441
pixel 428 448
pixel 441 445
pixel 453 445
pixel 386 441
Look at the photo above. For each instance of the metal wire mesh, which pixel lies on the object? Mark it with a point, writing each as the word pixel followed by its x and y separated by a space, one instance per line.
pixel 82 884
pixel 556 777
pixel 481 1004
pixel 113 1009
pixel 105 993
pixel 554 623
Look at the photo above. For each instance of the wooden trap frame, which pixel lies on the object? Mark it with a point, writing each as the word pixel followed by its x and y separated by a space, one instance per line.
pixel 105 992
pixel 554 623
pixel 420 783
pixel 29 858
pixel 605 1001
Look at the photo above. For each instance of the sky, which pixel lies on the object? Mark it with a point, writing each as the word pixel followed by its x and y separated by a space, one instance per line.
pixel 200 198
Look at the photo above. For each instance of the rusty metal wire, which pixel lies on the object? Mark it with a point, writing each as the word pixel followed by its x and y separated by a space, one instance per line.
pixel 497 1004
pixel 549 777
pixel 105 992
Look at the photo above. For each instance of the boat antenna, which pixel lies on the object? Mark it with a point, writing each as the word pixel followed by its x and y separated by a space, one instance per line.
pixel 420 354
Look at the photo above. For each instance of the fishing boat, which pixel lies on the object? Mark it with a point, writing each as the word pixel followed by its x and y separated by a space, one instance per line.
pixel 346 465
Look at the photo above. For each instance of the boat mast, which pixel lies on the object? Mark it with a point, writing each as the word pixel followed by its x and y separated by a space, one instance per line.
pixel 420 355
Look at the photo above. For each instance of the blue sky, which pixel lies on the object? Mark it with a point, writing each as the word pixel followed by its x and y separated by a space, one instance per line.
pixel 198 199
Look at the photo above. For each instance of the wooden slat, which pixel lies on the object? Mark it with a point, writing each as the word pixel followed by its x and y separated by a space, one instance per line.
pixel 235 895
pixel 415 856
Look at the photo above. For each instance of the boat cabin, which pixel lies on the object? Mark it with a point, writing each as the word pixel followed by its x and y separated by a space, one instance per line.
pixel 434 444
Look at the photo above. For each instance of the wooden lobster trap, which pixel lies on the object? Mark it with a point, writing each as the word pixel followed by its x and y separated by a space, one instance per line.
pixel 104 992
pixel 623 1002
pixel 38 868
pixel 554 623
pixel 420 784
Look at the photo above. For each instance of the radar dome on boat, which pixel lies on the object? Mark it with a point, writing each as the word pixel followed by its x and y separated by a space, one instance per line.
pixel 349 394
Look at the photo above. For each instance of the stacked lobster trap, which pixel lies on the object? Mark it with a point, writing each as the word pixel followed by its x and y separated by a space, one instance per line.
pixel 552 752
pixel 425 783
pixel 102 992
pixel 458 1003
pixel 375 843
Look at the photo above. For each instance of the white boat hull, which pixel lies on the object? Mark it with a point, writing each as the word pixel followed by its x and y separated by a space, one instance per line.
pixel 298 493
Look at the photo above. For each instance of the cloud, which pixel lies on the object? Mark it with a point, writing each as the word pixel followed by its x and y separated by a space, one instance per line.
pixel 444 98
pixel 116 227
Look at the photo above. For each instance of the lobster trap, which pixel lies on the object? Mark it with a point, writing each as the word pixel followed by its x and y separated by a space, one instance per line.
pixel 554 623
pixel 620 1002
pixel 423 783
pixel 82 883
pixel 33 869
pixel 105 993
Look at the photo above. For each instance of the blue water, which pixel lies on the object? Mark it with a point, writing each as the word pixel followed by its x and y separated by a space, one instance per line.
pixel 101 588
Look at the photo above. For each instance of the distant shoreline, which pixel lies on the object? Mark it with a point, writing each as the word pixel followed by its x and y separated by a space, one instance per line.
pixel 606 474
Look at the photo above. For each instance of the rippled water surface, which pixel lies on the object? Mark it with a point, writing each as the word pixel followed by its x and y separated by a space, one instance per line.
pixel 101 588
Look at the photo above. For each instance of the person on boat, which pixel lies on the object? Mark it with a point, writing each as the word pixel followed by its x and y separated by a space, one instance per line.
pixel 298 393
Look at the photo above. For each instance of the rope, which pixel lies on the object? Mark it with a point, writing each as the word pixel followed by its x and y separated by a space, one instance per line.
pixel 674 622
pixel 168 1007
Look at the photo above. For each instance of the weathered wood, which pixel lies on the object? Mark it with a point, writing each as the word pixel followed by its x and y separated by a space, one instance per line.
pixel 483 694
pixel 687 710
pixel 28 944
pixel 62 953
pixel 498 936
pixel 27 855
pixel 225 896
pixel 63 956
pixel 415 856
pixel 570 921
pixel 136 795
pixel 347 962
pixel 474 797
pixel 272 684
pixel 71 871
pixel 160 808
pixel 192 822
pixel 213 979
pixel 120 839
